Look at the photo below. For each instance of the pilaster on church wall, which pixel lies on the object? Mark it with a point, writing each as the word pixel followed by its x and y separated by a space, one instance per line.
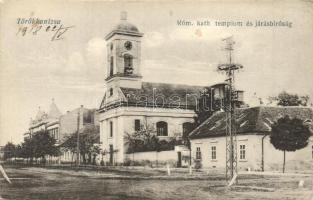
pixel 120 138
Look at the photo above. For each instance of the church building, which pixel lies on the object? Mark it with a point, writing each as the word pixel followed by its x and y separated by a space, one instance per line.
pixel 129 103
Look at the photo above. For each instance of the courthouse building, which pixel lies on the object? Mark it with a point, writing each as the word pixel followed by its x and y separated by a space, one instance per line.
pixel 254 149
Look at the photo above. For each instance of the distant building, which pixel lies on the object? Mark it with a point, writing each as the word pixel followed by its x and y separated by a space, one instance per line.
pixel 60 126
pixel 46 121
pixel 254 149
pixel 77 119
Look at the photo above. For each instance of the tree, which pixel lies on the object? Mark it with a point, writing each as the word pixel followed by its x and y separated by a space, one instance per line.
pixel 145 139
pixel 88 138
pixel 27 149
pixel 287 99
pixel 132 143
pixel 9 151
pixel 289 135
pixel 43 145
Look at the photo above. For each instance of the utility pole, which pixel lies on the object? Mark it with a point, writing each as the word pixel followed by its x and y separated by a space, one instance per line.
pixel 78 151
pixel 231 141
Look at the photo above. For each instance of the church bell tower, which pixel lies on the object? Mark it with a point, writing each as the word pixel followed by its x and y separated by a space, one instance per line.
pixel 124 55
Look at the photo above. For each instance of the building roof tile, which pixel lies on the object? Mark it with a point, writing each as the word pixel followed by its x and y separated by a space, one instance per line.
pixel 169 95
pixel 254 120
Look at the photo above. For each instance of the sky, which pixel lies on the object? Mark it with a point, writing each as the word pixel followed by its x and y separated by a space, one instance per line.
pixel 34 69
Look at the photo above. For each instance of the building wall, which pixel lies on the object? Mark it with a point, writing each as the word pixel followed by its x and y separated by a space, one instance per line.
pixel 68 122
pixel 53 130
pixel 35 129
pixel 123 122
pixel 273 159
pixel 163 156
pixel 298 160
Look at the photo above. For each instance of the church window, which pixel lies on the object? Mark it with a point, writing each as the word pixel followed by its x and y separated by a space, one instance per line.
pixel 128 64
pixel 111 129
pixel 137 124
pixel 111 66
pixel 161 128
pixel 111 91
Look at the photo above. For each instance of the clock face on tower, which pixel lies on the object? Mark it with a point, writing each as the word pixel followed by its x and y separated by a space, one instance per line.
pixel 128 45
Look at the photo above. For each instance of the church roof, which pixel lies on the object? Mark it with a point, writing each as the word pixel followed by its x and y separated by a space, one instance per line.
pixel 41 115
pixel 255 120
pixel 43 118
pixel 124 27
pixel 54 111
pixel 163 94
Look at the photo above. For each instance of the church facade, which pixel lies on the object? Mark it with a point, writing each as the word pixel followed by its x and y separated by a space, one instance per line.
pixel 129 103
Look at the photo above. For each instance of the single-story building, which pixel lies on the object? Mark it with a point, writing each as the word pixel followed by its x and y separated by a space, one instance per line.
pixel 254 149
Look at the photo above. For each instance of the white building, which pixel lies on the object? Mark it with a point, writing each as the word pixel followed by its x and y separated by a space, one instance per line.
pixel 129 102
pixel 254 149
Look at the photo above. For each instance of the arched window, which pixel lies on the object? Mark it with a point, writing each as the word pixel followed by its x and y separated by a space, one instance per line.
pixel 128 64
pixel 161 128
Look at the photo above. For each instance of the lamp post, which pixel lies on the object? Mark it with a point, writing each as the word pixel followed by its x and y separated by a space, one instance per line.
pixel 77 150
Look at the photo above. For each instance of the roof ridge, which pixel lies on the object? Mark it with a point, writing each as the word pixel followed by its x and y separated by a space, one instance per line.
pixel 180 84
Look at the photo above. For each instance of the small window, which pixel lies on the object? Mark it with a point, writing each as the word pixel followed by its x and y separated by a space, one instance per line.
pixel 111 129
pixel 111 91
pixel 242 152
pixel 213 152
pixel 137 124
pixel 162 128
pixel 198 153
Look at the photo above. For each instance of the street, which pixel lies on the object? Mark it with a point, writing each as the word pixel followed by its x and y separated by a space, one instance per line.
pixel 40 183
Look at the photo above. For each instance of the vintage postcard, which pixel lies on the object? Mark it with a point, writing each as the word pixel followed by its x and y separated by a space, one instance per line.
pixel 156 99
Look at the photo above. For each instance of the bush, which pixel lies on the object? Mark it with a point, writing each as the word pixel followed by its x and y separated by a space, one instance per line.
pixel 102 162
pixel 198 164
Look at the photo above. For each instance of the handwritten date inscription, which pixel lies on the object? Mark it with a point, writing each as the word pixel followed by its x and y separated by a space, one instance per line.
pixel 58 31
